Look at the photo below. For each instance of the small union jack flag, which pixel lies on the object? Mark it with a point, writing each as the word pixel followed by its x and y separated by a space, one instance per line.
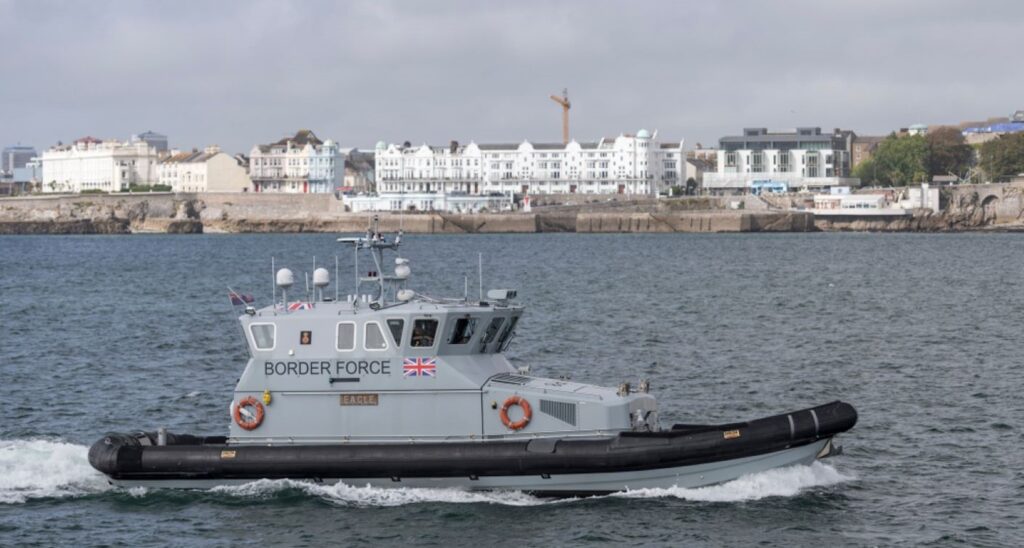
pixel 239 299
pixel 419 367
pixel 292 307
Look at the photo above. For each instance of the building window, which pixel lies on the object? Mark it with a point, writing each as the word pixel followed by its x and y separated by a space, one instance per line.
pixel 730 159
pixel 757 161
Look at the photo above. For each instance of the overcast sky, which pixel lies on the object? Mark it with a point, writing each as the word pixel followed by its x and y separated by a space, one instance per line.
pixel 246 72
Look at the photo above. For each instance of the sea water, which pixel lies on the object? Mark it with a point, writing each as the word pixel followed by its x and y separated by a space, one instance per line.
pixel 920 332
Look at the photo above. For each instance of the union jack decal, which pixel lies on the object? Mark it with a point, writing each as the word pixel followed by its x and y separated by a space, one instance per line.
pixel 419 367
pixel 292 307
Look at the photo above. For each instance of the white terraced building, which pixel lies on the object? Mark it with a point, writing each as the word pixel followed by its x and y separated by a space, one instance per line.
pixel 788 161
pixel 299 164
pixel 95 164
pixel 209 170
pixel 627 164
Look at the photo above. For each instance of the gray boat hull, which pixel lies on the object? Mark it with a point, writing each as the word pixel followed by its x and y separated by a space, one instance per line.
pixel 692 476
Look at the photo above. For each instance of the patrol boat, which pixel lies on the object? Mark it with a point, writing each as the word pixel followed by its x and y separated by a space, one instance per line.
pixel 394 388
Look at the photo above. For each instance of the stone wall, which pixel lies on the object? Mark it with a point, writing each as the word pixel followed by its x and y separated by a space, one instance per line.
pixel 239 213
pixel 996 206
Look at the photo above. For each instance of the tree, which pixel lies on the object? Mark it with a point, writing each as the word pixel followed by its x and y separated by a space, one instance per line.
pixel 867 172
pixel 898 161
pixel 948 152
pixel 1003 157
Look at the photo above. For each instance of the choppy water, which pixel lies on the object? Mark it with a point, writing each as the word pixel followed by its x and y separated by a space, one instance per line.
pixel 920 332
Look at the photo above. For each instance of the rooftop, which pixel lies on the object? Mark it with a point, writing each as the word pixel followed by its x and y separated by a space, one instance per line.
pixel 191 157
pixel 301 138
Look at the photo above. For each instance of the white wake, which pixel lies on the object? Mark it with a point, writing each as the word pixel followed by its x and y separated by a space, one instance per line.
pixel 366 496
pixel 780 482
pixel 33 469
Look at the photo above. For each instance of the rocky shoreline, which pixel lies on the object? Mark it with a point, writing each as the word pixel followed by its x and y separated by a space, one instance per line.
pixel 982 208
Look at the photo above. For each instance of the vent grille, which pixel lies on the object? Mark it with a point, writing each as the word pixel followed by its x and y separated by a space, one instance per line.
pixel 510 379
pixel 563 411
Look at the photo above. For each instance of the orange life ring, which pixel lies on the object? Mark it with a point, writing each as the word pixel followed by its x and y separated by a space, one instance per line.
pixel 252 422
pixel 527 413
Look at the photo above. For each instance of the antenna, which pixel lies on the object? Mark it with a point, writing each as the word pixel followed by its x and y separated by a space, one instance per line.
pixel 356 263
pixel 273 282
pixel 336 278
pixel 465 289
pixel 480 272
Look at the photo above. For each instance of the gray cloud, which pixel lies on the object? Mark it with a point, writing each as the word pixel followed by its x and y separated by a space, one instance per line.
pixel 238 73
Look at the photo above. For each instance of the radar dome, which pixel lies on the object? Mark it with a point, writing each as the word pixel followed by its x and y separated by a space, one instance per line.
pixel 285 278
pixel 402 270
pixel 381 144
pixel 643 134
pixel 405 295
pixel 321 277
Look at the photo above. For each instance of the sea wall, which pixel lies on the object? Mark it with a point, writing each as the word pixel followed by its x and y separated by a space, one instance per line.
pixel 997 206
pixel 240 213
pixel 974 207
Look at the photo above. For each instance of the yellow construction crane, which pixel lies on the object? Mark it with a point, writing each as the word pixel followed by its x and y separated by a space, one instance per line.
pixel 564 101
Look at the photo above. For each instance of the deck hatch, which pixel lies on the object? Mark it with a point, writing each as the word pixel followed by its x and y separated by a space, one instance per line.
pixel 563 411
pixel 509 378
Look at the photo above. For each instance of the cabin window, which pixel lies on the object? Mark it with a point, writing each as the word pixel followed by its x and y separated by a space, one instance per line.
pixel 423 332
pixel 373 337
pixel 506 336
pixel 346 336
pixel 463 330
pixel 490 332
pixel 396 326
pixel 263 335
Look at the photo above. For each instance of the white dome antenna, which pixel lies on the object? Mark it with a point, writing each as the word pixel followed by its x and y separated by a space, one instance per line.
pixel 402 270
pixel 405 295
pixel 285 278
pixel 321 277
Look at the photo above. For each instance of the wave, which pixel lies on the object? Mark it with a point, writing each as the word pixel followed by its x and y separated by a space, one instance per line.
pixel 40 468
pixel 367 496
pixel 780 482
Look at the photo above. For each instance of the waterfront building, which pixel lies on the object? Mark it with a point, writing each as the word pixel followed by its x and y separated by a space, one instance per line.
pixel 628 164
pixel 802 159
pixel 299 164
pixel 14 157
pixel 886 202
pixel 209 170
pixel 917 129
pixel 703 153
pixel 153 139
pixel 863 147
pixel 30 174
pixel 982 133
pixel 359 171
pixel 449 202
pixel 94 164
pixel 696 167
